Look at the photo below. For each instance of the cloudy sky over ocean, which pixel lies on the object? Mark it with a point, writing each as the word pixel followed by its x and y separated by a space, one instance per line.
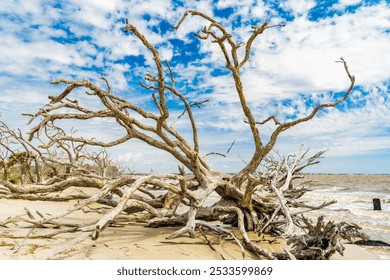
pixel 291 70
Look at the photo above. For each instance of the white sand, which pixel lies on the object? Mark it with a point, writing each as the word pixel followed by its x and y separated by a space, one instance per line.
pixel 132 242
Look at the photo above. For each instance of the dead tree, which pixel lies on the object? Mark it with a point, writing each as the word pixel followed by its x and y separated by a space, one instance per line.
pixel 16 150
pixel 254 199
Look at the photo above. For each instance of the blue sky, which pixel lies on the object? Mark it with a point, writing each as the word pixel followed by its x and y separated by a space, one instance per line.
pixel 292 69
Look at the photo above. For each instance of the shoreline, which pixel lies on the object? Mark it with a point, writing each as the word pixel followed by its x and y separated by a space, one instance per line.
pixel 135 242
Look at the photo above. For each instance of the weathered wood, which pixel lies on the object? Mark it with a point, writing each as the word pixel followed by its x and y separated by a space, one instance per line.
pixel 377 204
pixel 321 242
pixel 251 200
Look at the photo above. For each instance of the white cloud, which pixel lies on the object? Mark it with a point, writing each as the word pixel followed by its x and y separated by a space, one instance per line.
pixel 101 6
pixel 166 53
pixel 260 10
pixel 300 58
pixel 130 156
pixel 298 7
pixel 32 6
pixel 342 4
pixel 116 77
pixel 285 63
pixel 204 6
pixel 26 96
pixel 142 158
pixel 94 13
pixel 303 61
pixel 360 130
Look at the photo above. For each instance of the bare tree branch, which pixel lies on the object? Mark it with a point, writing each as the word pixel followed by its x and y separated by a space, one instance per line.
pixel 260 198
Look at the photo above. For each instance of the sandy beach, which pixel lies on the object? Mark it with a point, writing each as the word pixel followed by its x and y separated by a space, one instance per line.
pixel 132 242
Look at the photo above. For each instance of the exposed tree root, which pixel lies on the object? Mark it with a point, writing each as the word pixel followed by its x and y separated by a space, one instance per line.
pixel 211 244
pixel 125 202
pixel 321 241
pixel 258 198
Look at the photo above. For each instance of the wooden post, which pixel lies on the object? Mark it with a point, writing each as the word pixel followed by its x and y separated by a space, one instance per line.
pixel 377 203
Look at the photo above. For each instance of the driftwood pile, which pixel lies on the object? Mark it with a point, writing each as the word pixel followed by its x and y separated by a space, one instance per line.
pixel 262 197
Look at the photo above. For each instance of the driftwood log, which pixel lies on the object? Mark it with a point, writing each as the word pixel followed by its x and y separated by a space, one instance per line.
pixel 262 197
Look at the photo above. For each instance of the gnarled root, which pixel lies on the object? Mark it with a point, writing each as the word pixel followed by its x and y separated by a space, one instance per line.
pixel 189 227
pixel 321 241
pixel 246 240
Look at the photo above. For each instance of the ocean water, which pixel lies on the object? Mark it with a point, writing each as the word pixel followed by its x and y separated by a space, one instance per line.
pixel 354 195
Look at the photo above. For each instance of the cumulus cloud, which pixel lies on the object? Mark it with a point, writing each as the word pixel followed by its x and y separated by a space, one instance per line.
pixel 342 4
pixel 298 7
pixel 291 68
